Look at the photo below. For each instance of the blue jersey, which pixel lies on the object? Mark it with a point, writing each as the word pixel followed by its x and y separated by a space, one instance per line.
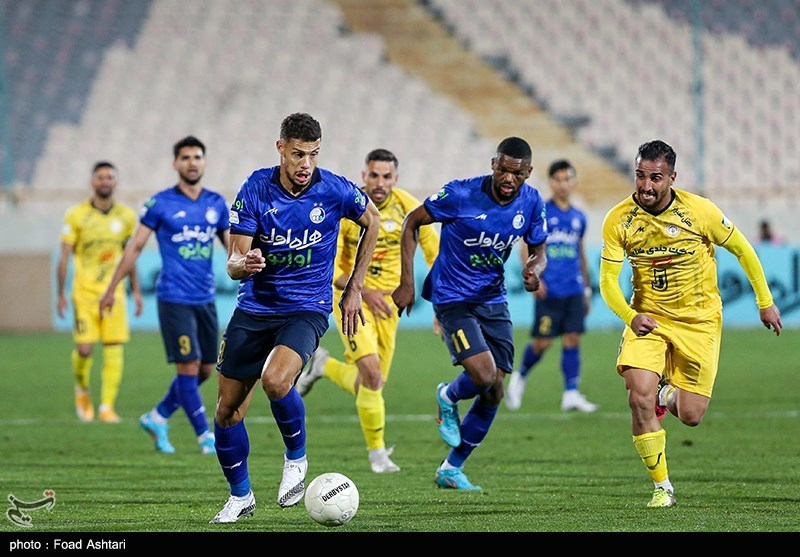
pixel 185 231
pixel 477 236
pixel 563 275
pixel 297 236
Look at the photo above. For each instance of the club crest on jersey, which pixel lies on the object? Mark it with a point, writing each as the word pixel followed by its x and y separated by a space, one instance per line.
pixel 672 230
pixel 519 221
pixel 115 226
pixel 360 200
pixel 212 216
pixel 389 225
pixel 317 215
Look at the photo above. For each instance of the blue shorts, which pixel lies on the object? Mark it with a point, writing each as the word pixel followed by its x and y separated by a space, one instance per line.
pixel 250 338
pixel 470 329
pixel 189 332
pixel 553 317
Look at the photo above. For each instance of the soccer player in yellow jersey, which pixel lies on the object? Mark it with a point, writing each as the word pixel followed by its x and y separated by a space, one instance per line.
pixel 669 353
pixel 368 355
pixel 95 232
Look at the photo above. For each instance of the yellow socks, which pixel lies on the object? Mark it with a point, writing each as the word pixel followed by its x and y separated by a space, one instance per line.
pixel 82 368
pixel 652 448
pixel 372 415
pixel 341 373
pixel 112 374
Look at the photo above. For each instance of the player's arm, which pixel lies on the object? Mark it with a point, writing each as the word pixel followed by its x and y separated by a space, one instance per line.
pixel 136 290
pixel 243 261
pixel 534 266
pixel 404 294
pixel 738 245
pixel 587 297
pixel 127 264
pixel 350 302
pixel 524 254
pixel 641 323
pixel 225 237
pixel 343 267
pixel 61 277
pixel 343 264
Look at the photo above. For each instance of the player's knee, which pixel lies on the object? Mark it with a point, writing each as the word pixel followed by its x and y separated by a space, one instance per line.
pixel 275 387
pixel 690 417
pixel 372 379
pixel 641 403
pixel 226 415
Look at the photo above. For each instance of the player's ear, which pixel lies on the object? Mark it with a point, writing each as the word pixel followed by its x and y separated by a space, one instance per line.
pixel 279 145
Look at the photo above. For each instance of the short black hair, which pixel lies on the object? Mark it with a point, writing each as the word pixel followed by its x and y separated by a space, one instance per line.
pixel 560 164
pixel 302 126
pixel 382 155
pixel 102 164
pixel 188 141
pixel 656 150
pixel 515 147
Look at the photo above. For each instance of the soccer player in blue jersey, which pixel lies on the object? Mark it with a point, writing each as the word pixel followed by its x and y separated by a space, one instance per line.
pixel 482 218
pixel 564 295
pixel 185 218
pixel 284 227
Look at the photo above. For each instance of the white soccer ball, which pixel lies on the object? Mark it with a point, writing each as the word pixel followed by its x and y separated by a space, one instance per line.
pixel 331 499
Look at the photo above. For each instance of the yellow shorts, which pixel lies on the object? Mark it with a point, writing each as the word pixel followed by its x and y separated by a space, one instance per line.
pixel 378 336
pixel 88 328
pixel 687 354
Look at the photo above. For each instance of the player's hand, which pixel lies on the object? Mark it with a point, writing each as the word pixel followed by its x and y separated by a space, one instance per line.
pixel 643 324
pixel 61 306
pixel 530 280
pixel 254 261
pixel 106 302
pixel 771 318
pixel 352 312
pixel 139 303
pixel 403 297
pixel 376 302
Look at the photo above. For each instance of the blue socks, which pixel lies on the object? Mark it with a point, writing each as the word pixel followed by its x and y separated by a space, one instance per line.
pixel 191 402
pixel 233 448
pixel 290 415
pixel 529 359
pixel 474 427
pixel 169 404
pixel 462 388
pixel 571 367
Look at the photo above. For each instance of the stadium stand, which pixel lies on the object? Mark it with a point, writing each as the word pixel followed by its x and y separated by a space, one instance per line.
pixel 438 81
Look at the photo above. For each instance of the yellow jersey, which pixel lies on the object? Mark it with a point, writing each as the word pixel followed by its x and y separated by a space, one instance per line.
pixel 98 240
pixel 671 254
pixel 384 269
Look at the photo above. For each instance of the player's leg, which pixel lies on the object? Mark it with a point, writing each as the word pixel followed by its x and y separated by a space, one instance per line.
pixel 296 338
pixel 115 333
pixel 486 370
pixel 188 328
pixel 177 330
pixel 695 360
pixel 85 333
pixel 571 327
pixel 541 339
pixel 637 357
pixel 464 339
pixel 242 353
pixel 233 445
pixel 373 379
